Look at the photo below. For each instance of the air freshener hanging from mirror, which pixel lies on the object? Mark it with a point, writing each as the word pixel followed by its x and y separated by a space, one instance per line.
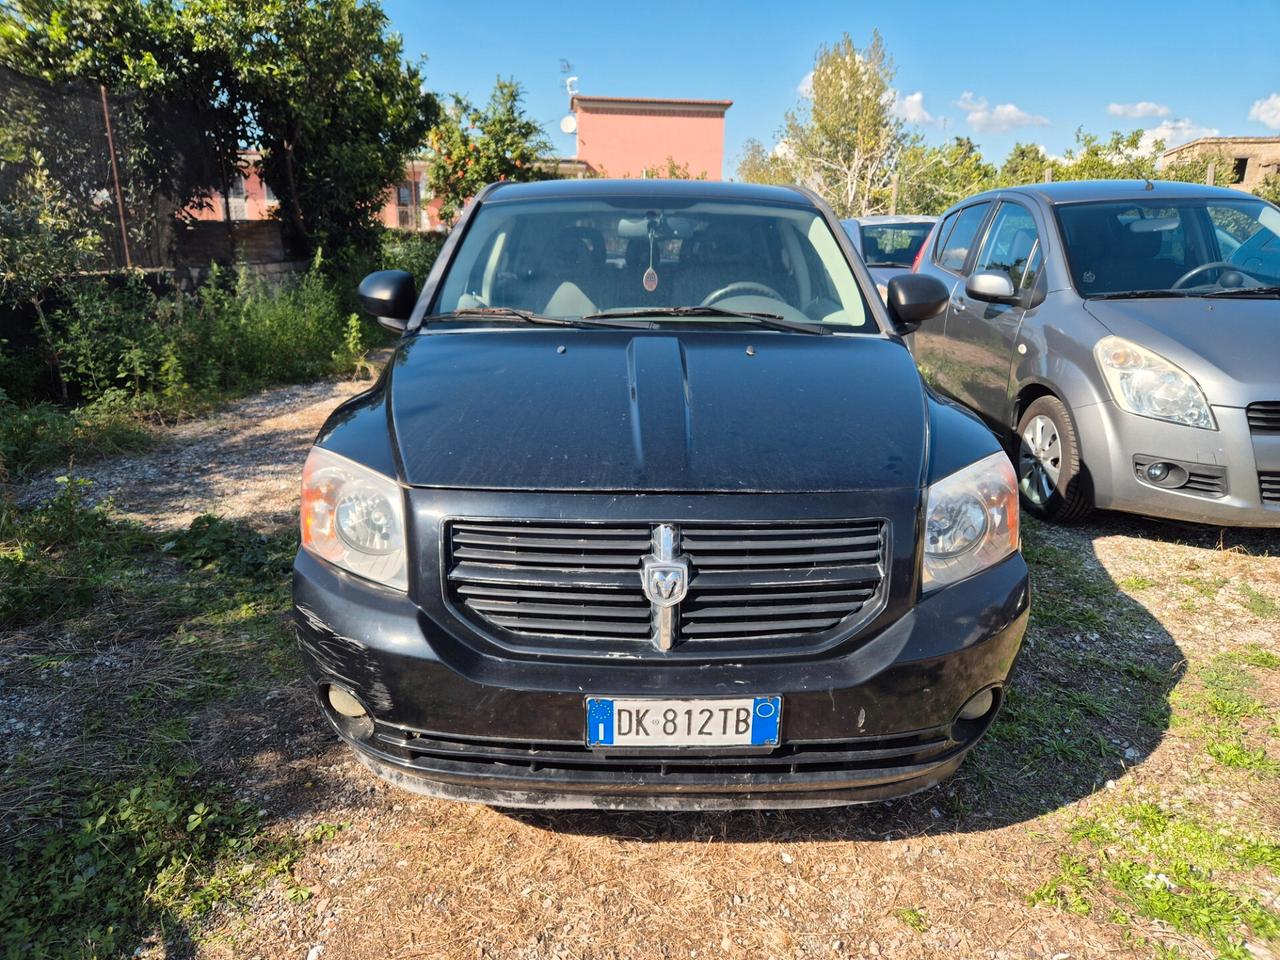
pixel 650 280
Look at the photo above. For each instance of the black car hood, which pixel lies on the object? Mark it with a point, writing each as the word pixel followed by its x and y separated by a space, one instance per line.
pixel 597 410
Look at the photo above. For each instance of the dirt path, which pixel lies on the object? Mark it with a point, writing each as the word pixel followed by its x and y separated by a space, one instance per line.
pixel 1127 613
pixel 244 462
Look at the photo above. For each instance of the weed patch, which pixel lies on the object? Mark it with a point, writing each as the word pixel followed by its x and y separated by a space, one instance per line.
pixel 1171 869
pixel 118 834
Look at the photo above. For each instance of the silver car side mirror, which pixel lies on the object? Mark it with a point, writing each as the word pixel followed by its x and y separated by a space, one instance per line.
pixel 994 286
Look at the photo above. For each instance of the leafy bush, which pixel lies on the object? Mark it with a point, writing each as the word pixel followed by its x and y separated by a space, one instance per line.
pixel 131 852
pixel 413 252
pixel 212 543
pixel 45 434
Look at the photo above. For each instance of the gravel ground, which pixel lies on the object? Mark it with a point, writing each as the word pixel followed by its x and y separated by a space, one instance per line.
pixel 946 873
pixel 244 462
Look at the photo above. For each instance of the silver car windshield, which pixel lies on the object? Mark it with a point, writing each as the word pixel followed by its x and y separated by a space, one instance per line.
pixel 1191 247
pixel 569 259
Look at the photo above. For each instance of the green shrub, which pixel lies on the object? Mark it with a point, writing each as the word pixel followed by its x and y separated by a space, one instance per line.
pixel 414 252
pixel 44 434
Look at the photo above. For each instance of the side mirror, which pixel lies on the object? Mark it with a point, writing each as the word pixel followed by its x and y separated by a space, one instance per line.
pixel 390 295
pixel 993 286
pixel 914 298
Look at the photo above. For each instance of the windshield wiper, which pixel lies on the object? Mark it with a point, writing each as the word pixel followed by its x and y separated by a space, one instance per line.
pixel 773 321
pixel 1246 292
pixel 528 316
pixel 1143 295
pixel 890 263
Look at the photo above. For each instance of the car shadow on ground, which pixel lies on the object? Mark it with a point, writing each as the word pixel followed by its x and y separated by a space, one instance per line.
pixel 1089 699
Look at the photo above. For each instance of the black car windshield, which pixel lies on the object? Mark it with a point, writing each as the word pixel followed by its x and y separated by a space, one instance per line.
pixel 1188 247
pixel 574 258
pixel 893 244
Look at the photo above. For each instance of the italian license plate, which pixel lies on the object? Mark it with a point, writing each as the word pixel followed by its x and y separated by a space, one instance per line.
pixel 737 722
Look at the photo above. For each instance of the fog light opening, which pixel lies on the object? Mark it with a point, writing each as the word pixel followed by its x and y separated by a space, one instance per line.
pixel 978 706
pixel 1156 472
pixel 345 703
pixel 348 713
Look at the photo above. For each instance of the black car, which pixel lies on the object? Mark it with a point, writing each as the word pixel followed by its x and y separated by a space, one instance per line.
pixel 651 509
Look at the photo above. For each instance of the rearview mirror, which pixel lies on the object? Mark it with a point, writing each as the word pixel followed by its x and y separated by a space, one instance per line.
pixel 390 295
pixel 993 286
pixel 914 298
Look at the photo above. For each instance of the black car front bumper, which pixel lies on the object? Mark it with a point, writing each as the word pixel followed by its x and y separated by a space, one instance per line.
pixel 874 719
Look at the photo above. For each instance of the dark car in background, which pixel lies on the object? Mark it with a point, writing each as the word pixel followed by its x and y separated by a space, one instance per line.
pixel 888 244
pixel 1125 337
pixel 651 509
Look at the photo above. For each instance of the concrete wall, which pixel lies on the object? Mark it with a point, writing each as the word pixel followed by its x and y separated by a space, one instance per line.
pixel 1260 155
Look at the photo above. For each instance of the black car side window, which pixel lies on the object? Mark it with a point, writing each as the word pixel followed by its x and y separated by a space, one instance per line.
pixel 1011 243
pixel 955 249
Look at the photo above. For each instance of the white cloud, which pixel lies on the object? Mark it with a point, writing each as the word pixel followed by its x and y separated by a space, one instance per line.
pixel 805 86
pixel 1143 108
pixel 1175 132
pixel 911 109
pixel 1267 112
pixel 998 119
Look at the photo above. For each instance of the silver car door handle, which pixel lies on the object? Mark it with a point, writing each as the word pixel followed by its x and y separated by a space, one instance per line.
pixel 959 304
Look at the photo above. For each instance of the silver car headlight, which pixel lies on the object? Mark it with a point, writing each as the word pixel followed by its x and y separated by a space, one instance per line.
pixel 353 517
pixel 1145 383
pixel 971 521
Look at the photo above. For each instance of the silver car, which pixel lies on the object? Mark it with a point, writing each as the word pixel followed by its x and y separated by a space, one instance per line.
pixel 888 244
pixel 1124 337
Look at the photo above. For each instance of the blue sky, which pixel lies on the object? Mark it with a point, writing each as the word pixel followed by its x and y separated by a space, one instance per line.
pixel 1014 71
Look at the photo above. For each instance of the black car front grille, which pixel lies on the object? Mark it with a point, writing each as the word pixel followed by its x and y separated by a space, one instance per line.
pixel 578 585
pixel 1269 487
pixel 1264 417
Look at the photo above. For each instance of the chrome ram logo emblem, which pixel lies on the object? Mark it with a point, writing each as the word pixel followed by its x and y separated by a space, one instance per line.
pixel 665 583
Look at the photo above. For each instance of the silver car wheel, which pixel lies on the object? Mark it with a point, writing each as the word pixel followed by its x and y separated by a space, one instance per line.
pixel 1039 460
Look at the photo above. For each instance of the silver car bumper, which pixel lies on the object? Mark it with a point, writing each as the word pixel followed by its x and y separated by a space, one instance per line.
pixel 1110 439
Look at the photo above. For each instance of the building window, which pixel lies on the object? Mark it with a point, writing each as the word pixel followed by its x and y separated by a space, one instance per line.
pixel 1239 169
pixel 268 194
pixel 405 192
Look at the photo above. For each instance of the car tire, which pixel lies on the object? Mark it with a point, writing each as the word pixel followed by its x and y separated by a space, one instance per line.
pixel 1052 483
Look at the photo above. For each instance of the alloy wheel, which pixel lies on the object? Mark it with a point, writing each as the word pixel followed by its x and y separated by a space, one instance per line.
pixel 1039 460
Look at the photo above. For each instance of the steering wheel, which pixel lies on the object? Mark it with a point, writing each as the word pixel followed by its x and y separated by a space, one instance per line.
pixel 742 286
pixel 1217 264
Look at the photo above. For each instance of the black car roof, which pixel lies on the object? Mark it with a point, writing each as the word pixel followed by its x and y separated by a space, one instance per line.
pixel 1078 191
pixel 683 189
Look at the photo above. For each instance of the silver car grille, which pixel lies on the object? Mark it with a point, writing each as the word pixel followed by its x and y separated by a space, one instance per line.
pixel 581 586
pixel 1264 417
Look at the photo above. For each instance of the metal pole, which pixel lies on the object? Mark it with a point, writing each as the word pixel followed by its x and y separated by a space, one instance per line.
pixel 115 178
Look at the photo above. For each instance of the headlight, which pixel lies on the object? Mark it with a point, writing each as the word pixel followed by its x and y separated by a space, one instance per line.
pixel 354 518
pixel 1147 384
pixel 971 521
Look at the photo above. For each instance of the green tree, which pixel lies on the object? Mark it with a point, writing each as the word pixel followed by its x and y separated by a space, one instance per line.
pixel 334 107
pixel 671 170
pixel 178 117
pixel 1026 163
pixel 44 243
pixel 1269 188
pixel 758 164
pixel 472 147
pixel 931 178
pixel 843 139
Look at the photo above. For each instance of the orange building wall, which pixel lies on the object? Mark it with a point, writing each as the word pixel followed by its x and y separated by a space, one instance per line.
pixel 621 137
